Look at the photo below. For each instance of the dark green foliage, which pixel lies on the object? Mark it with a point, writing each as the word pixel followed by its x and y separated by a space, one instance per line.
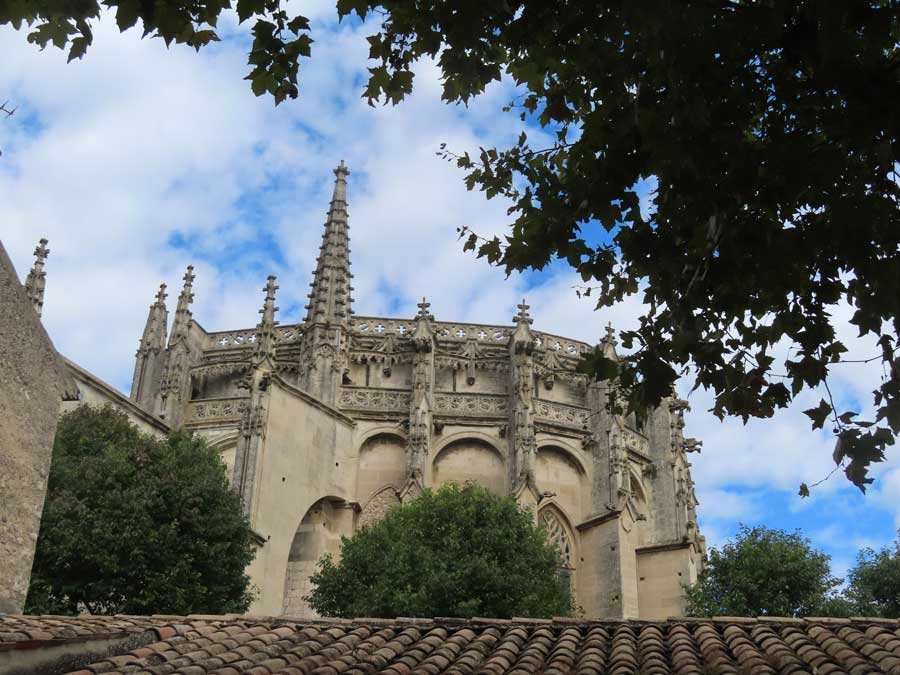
pixel 874 584
pixel 770 127
pixel 460 551
pixel 136 525
pixel 766 572
pixel 279 39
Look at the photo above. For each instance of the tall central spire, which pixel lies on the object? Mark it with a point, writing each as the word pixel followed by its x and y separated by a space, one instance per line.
pixel 329 301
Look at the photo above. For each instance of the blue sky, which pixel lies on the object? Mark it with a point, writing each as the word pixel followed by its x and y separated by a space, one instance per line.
pixel 139 160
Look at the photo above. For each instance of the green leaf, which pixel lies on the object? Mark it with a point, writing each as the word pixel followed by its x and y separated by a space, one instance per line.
pixel 819 414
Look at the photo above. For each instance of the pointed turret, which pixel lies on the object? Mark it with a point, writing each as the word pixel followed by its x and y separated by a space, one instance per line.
pixel 175 385
pixel 148 361
pixel 36 280
pixel 183 316
pixel 265 331
pixel 329 301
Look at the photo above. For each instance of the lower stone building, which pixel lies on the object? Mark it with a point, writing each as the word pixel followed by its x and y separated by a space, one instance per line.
pixel 327 423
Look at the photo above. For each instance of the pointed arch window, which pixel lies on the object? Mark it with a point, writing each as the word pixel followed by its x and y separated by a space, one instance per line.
pixel 558 536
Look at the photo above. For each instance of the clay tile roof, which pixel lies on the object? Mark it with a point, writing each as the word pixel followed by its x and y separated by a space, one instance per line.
pixel 235 645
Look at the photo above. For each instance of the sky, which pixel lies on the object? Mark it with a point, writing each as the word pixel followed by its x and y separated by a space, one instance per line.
pixel 140 160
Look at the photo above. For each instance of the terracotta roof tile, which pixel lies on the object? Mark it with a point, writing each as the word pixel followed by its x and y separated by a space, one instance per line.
pixel 206 645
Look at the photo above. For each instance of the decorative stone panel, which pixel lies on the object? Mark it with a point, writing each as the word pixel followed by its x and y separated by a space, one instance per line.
pixel 560 413
pixel 471 405
pixel 383 400
pixel 202 411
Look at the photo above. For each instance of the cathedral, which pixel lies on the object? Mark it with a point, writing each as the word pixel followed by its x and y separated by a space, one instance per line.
pixel 328 423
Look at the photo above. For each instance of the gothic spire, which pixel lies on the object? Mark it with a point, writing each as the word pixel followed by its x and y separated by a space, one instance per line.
pixel 155 329
pixel 36 280
pixel 265 332
pixel 183 316
pixel 329 301
pixel 149 360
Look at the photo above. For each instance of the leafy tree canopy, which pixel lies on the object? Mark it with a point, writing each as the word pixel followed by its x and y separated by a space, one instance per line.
pixel 769 126
pixel 766 572
pixel 136 525
pixel 459 551
pixel 874 584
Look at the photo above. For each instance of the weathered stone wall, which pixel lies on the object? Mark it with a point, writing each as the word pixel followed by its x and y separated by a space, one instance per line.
pixel 662 574
pixel 305 457
pixel 31 386
pixel 94 391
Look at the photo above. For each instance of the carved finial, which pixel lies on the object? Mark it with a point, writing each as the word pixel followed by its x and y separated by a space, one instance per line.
pixel 423 310
pixel 265 333
pixel 183 317
pixel 187 294
pixel 522 316
pixel 154 337
pixel 610 334
pixel 41 251
pixel 36 280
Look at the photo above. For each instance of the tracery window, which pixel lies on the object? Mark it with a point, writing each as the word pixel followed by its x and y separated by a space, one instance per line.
pixel 556 535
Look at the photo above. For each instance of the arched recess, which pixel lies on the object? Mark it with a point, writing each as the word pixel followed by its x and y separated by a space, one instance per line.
pixel 378 505
pixel 560 534
pixel 382 461
pixel 470 459
pixel 319 533
pixel 557 471
pixel 227 449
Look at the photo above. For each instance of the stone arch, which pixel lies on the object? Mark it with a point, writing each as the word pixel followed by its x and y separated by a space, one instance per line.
pixel 382 462
pixel 226 446
pixel 469 435
pixel 566 448
pixel 559 472
pixel 318 533
pixel 561 534
pixel 470 458
pixel 637 489
pixel 378 506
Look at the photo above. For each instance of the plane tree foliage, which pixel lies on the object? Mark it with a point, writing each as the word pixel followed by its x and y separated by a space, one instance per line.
pixel 770 131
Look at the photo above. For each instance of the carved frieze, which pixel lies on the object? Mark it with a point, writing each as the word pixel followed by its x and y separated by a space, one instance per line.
pixel 386 400
pixel 215 410
pixel 474 405
pixel 560 413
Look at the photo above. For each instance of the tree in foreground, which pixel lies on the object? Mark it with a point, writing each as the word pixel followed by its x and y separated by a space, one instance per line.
pixel 768 126
pixel 459 551
pixel 766 572
pixel 136 525
pixel 874 583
